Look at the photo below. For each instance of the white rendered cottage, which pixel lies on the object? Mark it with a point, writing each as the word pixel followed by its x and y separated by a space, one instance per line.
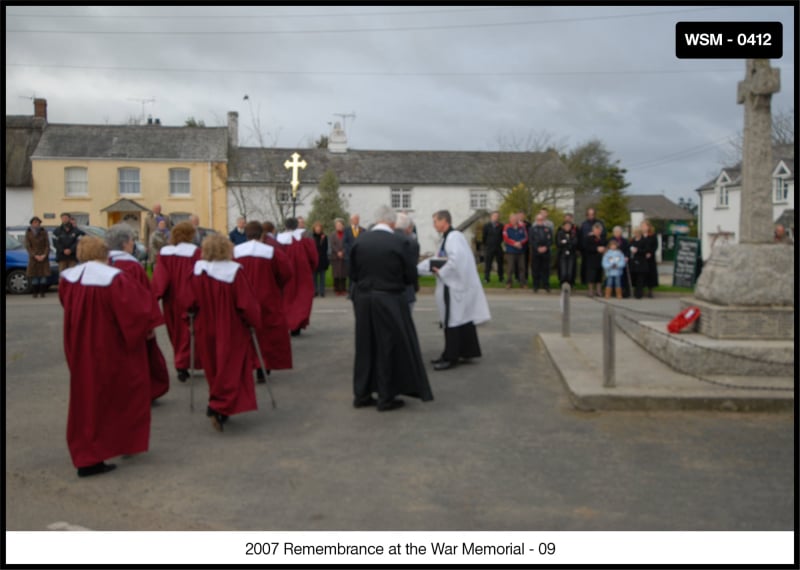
pixel 416 182
pixel 719 204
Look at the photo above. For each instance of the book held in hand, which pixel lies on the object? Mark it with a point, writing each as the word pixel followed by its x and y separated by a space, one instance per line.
pixel 438 262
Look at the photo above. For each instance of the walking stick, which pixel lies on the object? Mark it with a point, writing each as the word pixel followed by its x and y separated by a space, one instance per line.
pixel 191 361
pixel 261 362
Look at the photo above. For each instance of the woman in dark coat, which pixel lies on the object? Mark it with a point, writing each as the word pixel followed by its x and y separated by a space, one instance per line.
pixel 638 264
pixel 321 241
pixel 337 258
pixel 566 243
pixel 650 246
pixel 593 249
pixel 37 242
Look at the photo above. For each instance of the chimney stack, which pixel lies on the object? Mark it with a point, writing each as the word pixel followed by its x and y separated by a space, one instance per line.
pixel 40 108
pixel 233 129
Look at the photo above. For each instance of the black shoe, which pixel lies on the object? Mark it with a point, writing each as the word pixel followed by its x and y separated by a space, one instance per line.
pixel 296 332
pixel 183 374
pixel 444 365
pixel 437 360
pixel 260 376
pixel 393 405
pixel 365 402
pixel 96 469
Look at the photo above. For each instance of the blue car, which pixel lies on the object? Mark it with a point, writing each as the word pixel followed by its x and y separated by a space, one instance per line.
pixel 15 273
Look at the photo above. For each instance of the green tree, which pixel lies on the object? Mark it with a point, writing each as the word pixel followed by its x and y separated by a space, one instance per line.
pixel 327 204
pixel 192 122
pixel 612 207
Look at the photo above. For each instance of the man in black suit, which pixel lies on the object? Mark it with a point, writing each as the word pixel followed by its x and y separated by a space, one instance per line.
pixel 388 359
pixel 493 244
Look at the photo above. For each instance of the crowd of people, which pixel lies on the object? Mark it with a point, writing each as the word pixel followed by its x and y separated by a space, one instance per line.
pixel 609 265
pixel 231 304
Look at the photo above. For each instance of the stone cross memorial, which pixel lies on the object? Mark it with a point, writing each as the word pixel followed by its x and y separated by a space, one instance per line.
pixel 746 290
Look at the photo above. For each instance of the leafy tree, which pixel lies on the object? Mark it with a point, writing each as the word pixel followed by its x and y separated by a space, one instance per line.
pixel 192 122
pixel 589 163
pixel 327 204
pixel 321 142
pixel 612 207
pixel 689 205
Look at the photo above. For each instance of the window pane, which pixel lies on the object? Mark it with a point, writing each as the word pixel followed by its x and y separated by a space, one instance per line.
pixel 179 181
pixel 129 181
pixel 395 198
pixel 407 200
pixel 76 181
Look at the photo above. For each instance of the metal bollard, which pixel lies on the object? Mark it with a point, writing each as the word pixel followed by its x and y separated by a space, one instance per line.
pixel 609 380
pixel 565 293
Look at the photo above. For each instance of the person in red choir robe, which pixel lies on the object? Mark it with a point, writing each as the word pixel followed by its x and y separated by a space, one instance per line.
pixel 107 317
pixel 120 242
pixel 269 234
pixel 298 295
pixel 171 284
pixel 267 269
pixel 226 308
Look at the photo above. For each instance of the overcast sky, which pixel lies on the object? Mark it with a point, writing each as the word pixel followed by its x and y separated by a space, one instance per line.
pixel 416 78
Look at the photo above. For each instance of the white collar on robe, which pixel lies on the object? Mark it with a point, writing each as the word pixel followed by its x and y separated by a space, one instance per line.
pixel 91 273
pixel 117 255
pixel 253 248
pixel 298 233
pixel 382 227
pixel 220 270
pixel 285 238
pixel 183 249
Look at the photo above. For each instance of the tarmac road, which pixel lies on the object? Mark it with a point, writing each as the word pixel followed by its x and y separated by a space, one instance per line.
pixel 500 447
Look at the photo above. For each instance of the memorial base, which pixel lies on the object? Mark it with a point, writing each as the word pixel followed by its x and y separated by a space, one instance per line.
pixel 742 322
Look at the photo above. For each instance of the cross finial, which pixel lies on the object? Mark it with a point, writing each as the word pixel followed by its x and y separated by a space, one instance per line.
pixel 294 164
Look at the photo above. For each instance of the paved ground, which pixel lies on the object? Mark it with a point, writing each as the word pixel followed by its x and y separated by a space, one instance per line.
pixel 500 448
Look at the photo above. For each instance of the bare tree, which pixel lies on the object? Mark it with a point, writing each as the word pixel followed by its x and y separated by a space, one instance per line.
pixel 782 134
pixel 530 173
pixel 258 202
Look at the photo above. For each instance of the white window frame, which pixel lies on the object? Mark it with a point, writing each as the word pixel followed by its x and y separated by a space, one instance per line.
pixel 125 183
pixel 284 194
pixel 780 185
pixel 76 187
pixel 401 198
pixel 723 196
pixel 478 199
pixel 176 187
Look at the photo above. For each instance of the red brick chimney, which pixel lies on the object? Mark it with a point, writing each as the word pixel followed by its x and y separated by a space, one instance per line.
pixel 40 108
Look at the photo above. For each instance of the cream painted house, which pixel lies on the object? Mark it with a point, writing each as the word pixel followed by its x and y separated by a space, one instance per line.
pixel 105 174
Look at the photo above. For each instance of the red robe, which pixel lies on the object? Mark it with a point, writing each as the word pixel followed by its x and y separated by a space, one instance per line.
pixel 171 284
pixel 159 375
pixel 106 322
pixel 267 270
pixel 298 294
pixel 226 308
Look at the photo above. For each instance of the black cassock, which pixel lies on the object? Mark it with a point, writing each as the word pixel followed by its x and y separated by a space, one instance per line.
pixel 388 359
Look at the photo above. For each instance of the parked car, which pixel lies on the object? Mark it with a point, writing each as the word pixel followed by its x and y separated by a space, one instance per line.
pixel 15 272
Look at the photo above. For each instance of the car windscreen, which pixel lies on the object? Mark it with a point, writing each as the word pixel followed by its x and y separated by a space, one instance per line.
pixel 12 242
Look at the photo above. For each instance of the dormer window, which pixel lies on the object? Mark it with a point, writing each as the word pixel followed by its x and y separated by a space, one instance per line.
pixel 780 184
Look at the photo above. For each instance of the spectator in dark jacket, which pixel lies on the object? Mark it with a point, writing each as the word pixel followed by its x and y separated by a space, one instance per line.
pixel 321 241
pixel 66 242
pixel 567 245
pixel 584 231
pixel 593 249
pixel 237 234
pixel 541 239
pixel 493 246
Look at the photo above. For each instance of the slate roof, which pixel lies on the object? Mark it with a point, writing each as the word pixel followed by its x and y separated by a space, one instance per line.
pixel 384 167
pixel 654 206
pixel 786 218
pixel 780 153
pixel 22 135
pixel 125 205
pixel 133 142
pixel 657 207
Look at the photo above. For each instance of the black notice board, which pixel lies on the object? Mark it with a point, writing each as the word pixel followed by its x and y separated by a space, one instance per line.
pixel 687 262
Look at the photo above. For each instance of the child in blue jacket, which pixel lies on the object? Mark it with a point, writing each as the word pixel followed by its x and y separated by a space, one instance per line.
pixel 613 264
